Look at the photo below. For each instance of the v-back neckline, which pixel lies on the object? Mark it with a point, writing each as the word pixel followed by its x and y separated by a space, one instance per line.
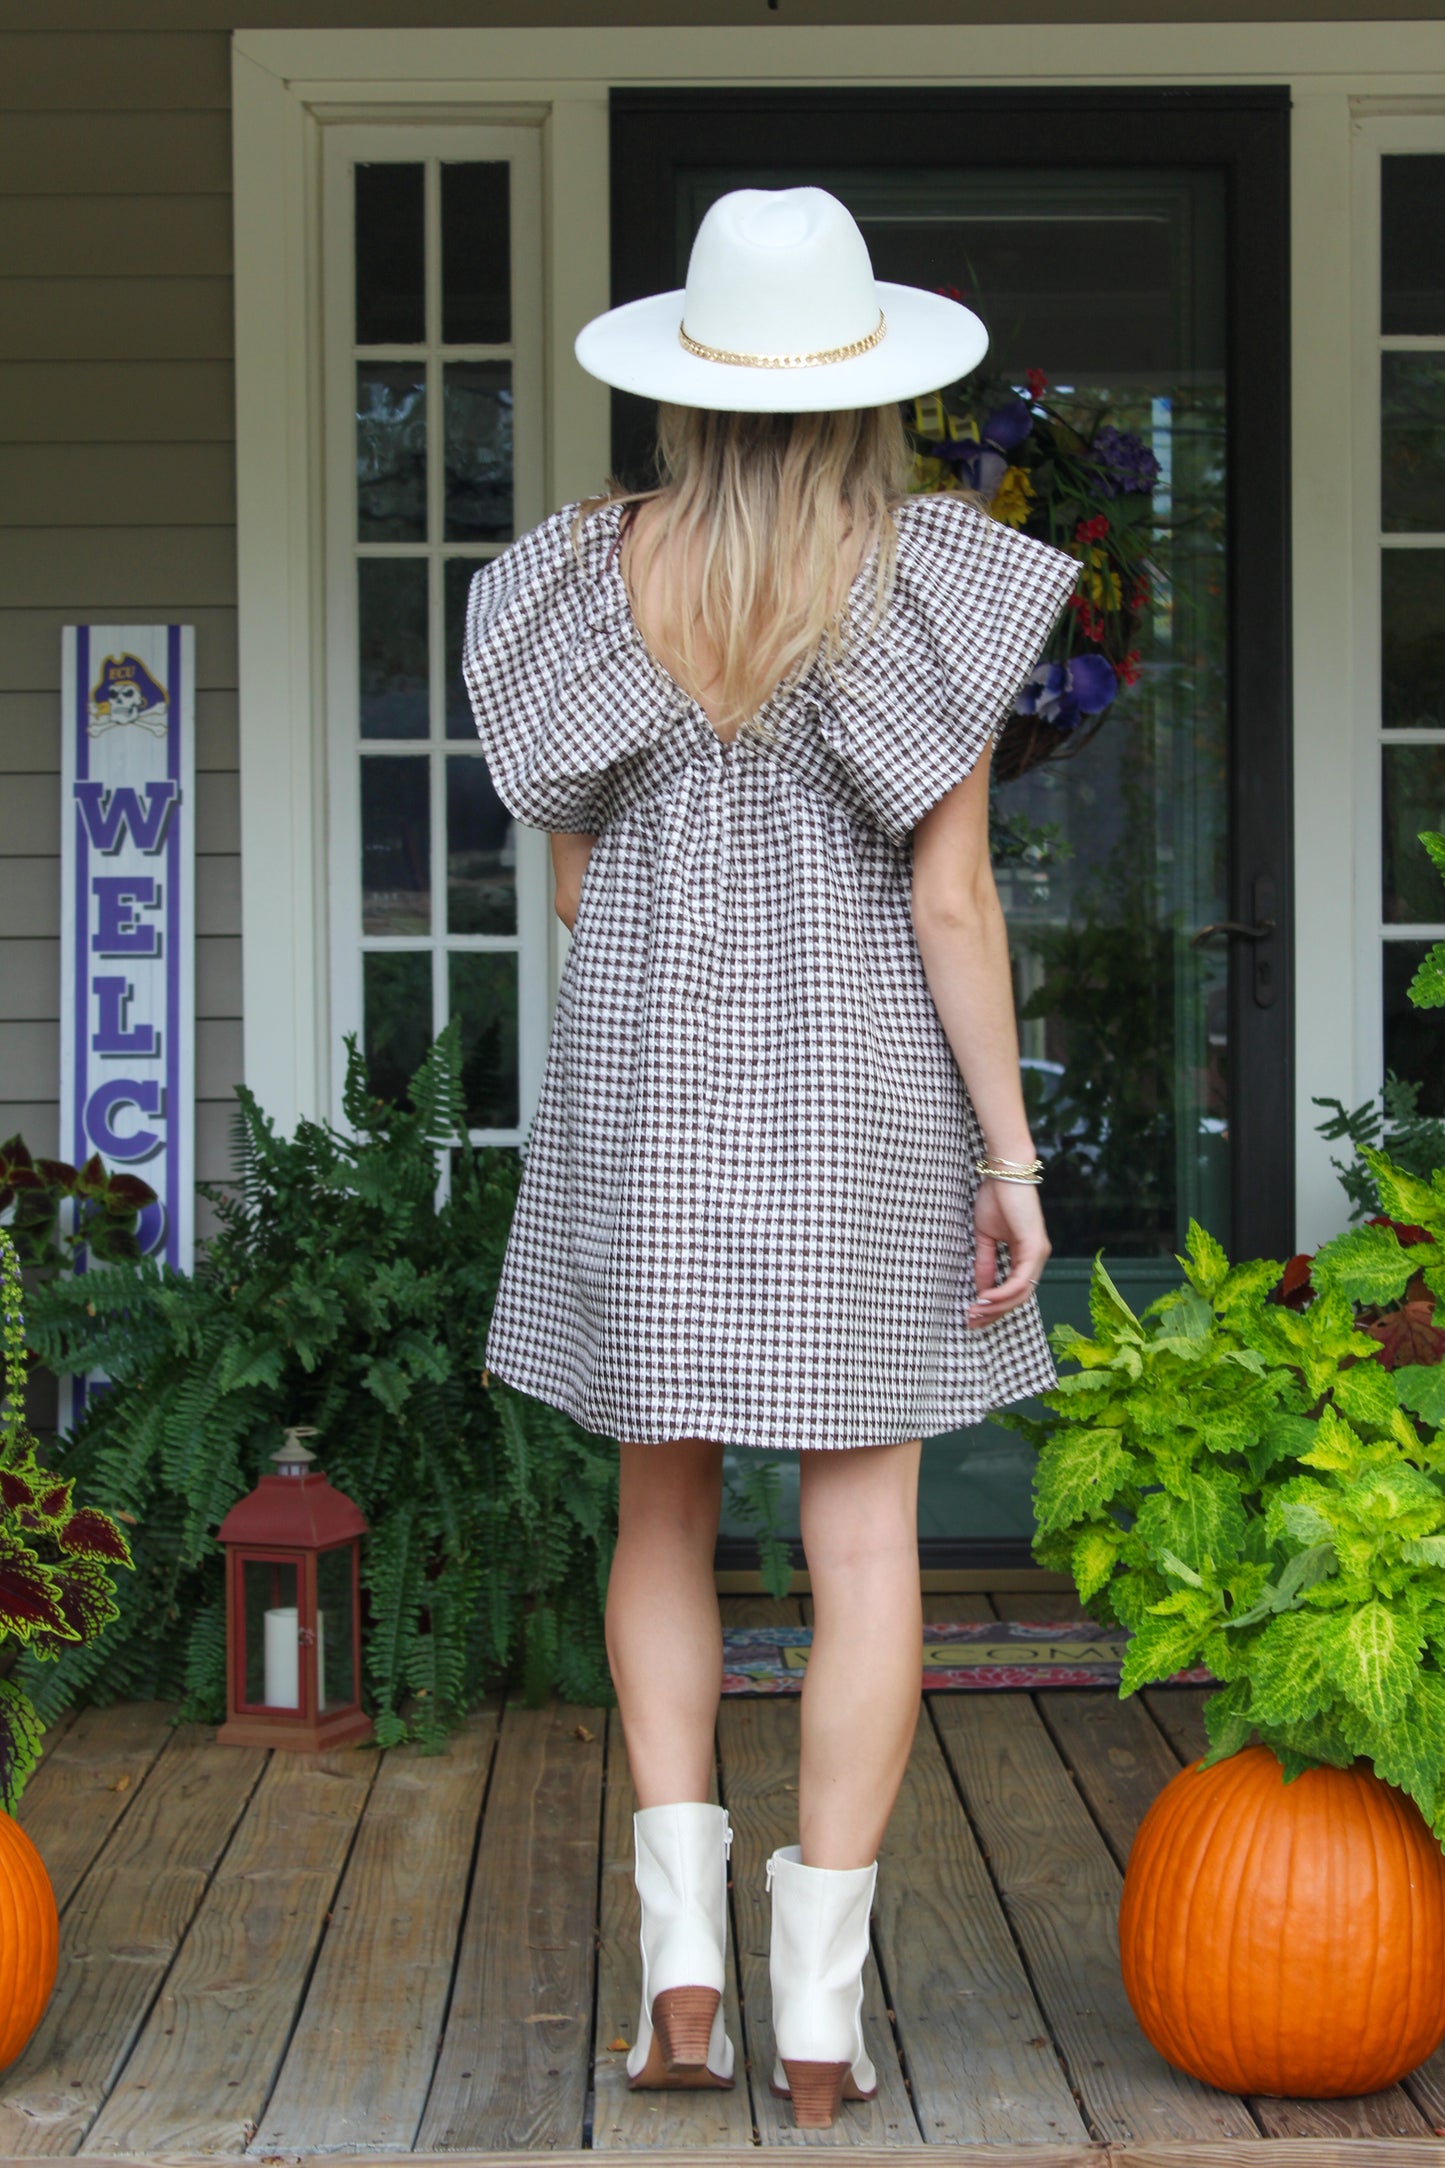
pixel 612 564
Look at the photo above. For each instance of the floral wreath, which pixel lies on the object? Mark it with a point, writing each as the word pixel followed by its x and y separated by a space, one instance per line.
pixel 1030 466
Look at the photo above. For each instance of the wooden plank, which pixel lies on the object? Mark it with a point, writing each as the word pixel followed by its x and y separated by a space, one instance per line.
pixel 88 1780
pixel 200 2072
pixel 356 2073
pixel 163 484
pixel 115 236
pixel 68 154
pixel 975 2046
pixel 758 1745
pixel 944 2156
pixel 29 979
pixel 120 1935
pixel 30 637
pixel 108 71
pixel 624 2121
pixel 1179 1713
pixel 1284 2153
pixel 514 2060
pixel 152 319
pixel 118 575
pixel 1060 1888
pixel 117 402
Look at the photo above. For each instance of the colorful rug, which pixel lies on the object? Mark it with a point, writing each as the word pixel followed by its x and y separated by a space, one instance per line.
pixel 978 1655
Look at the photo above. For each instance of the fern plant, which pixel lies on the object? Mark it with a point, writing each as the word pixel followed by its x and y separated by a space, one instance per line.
pixel 339 1291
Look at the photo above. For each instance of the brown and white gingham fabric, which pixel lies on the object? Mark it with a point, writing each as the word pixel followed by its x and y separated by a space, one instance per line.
pixel 746 1211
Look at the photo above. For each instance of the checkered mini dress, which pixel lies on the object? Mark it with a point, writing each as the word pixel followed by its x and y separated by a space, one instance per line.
pixel 746 1208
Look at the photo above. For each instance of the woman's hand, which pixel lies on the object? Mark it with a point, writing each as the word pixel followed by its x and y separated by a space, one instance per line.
pixel 1007 1212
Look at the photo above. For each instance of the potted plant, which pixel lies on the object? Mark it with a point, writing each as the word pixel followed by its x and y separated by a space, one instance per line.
pixel 56 1562
pixel 1247 1476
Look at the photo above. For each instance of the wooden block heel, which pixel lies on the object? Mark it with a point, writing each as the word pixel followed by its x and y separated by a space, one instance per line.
pixel 816 2091
pixel 682 2019
pixel 681 2028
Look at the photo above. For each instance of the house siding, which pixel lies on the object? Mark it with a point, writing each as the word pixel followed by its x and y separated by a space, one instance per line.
pixel 117 486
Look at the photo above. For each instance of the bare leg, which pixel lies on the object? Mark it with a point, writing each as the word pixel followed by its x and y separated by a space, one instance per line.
pixel 861 1691
pixel 664 1633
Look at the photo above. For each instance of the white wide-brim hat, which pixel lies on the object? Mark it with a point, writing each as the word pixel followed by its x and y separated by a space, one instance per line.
pixel 781 314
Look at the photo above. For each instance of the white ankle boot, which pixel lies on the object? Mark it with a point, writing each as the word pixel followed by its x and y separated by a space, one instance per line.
pixel 682 1880
pixel 819 1942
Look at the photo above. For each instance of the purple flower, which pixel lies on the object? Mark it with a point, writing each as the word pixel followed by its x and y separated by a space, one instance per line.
pixel 1063 693
pixel 981 466
pixel 1123 461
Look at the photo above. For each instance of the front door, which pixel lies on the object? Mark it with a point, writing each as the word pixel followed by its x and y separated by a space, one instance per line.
pixel 1127 253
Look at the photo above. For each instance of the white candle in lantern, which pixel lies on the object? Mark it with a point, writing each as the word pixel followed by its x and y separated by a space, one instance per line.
pixel 283 1673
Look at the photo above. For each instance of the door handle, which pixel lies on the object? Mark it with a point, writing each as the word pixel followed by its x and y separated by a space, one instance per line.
pixel 1263 902
pixel 1235 928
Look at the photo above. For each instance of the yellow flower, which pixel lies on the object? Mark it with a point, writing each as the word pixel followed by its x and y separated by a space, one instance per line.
pixel 1102 588
pixel 1011 500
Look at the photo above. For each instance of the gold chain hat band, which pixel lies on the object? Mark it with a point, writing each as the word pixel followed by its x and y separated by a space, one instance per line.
pixel 782 361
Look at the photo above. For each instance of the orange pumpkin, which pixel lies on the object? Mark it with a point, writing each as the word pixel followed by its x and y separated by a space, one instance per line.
pixel 1286 1938
pixel 29 1939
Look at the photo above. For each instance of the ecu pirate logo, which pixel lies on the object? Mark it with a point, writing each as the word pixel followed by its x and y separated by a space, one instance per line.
pixel 125 692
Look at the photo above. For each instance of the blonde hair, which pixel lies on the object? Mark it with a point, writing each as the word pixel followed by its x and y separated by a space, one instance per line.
pixel 769 506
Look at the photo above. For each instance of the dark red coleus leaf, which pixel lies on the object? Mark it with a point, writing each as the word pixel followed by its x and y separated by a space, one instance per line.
pixel 92 1177
pixel 58 1172
pixel 25 1178
pixel 15 1489
pixel 1405 1232
pixel 1295 1288
pixel 27 1599
pixel 129 1189
pixel 91 1534
pixel 1407 1335
pixel 84 1595
pixel 16 1152
pixel 56 1500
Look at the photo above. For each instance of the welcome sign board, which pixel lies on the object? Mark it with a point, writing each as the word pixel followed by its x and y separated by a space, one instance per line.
pixel 127 1007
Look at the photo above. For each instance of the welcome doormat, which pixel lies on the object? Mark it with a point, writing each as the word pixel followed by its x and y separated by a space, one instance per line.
pixel 977 1655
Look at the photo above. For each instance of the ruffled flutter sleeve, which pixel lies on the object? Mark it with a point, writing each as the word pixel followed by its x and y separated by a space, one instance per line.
pixel 975 601
pixel 526 619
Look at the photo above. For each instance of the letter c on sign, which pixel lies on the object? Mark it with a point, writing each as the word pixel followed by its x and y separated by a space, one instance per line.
pixel 121 1092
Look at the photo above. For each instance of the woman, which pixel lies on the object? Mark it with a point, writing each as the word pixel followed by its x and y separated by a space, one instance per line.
pixel 764 1203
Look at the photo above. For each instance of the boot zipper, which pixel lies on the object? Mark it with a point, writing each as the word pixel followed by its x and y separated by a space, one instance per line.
pixel 727 1840
pixel 769 1883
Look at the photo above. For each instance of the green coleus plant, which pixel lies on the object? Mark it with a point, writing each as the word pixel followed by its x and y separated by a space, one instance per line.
pixel 1245 1485
pixel 57 1558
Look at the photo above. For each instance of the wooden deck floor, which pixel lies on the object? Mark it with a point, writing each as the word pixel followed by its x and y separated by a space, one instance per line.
pixel 279 1954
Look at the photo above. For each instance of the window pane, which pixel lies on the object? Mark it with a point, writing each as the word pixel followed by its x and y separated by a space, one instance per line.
pixel 1414 1038
pixel 481 852
pixel 1412 442
pixel 392 640
pixel 478 451
pixel 390 256
pixel 456 585
pixel 476 255
pixel 390 452
pixel 1412 243
pixel 333 1603
pixel 484 996
pixel 395 846
pixel 398 1019
pixel 1414 799
pixel 1412 639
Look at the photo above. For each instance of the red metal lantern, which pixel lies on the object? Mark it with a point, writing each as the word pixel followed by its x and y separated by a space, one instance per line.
pixel 293 1610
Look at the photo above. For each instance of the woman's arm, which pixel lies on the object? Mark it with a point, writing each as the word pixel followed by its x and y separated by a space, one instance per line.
pixel 570 854
pixel 963 942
